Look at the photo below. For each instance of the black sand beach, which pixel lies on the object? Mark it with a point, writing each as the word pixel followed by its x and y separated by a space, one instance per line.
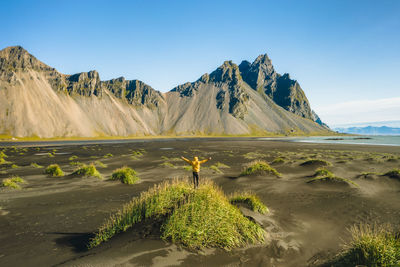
pixel 49 220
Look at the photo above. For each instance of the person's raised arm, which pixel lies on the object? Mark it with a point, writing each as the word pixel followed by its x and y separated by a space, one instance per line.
pixel 205 160
pixel 185 159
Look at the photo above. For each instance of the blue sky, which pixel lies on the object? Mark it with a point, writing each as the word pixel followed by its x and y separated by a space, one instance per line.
pixel 345 54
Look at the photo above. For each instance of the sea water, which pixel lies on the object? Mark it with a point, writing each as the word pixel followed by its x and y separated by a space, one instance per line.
pixel 386 140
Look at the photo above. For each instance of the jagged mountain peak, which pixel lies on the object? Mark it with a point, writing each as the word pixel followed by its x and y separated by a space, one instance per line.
pixel 262 59
pixel 13 58
pixel 227 72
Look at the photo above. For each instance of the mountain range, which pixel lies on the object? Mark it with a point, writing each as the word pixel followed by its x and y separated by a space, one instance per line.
pixel 246 99
pixel 370 130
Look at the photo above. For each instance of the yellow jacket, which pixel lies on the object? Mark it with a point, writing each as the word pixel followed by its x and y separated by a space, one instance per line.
pixel 195 163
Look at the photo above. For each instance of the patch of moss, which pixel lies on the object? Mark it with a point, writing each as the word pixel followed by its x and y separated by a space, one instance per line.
pixel 194 218
pixel 126 175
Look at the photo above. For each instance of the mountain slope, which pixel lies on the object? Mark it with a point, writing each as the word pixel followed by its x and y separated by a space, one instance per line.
pixel 37 100
pixel 223 103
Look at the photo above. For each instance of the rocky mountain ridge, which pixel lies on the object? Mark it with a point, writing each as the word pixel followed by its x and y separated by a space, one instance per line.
pixel 228 96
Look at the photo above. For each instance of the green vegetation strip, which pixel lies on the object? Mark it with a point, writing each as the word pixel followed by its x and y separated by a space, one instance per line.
pixel 193 218
pixel 259 167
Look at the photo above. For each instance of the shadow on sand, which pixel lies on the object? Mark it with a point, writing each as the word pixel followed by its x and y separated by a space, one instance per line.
pixel 78 241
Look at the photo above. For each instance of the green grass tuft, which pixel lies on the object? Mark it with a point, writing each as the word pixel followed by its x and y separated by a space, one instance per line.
pixel 371 245
pixel 221 165
pixel 87 171
pixel 215 169
pixel 3 155
pixel 319 162
pixel 259 167
pixel 395 173
pixel 100 164
pixel 323 172
pixel 250 199
pixel 278 160
pixel 332 178
pixel 73 157
pixel 168 165
pixel 54 170
pixel 13 182
pixel 254 155
pixel 193 218
pixel 126 175
pixel 35 165
pixel 109 155
pixel 14 166
pixel 3 161
pixel 187 168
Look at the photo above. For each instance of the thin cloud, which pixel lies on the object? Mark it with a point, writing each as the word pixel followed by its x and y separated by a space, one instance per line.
pixel 384 109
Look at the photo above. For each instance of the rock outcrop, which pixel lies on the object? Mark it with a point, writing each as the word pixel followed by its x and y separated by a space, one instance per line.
pixel 37 100
pixel 285 92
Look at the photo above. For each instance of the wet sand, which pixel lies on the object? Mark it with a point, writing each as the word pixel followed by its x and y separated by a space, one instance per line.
pixel 48 222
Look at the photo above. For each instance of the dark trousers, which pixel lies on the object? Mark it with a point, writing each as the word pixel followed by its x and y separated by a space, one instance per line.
pixel 196 179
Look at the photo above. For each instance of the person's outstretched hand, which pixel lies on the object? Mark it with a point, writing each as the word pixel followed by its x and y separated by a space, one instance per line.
pixel 209 158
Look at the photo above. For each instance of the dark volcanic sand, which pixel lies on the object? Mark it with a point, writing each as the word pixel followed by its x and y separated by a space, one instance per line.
pixel 48 221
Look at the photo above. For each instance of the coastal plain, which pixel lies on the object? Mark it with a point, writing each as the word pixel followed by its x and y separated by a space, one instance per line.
pixel 49 221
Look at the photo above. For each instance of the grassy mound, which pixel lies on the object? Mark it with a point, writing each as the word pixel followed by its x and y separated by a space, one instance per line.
pixel 13 182
pixel 87 170
pixel 278 160
pixel 250 199
pixel 100 164
pixel 35 165
pixel 371 245
pixel 54 170
pixel 395 173
pixel 324 175
pixel 315 162
pixel 73 157
pixel 193 218
pixel 259 167
pixel 126 175
pixel 322 172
